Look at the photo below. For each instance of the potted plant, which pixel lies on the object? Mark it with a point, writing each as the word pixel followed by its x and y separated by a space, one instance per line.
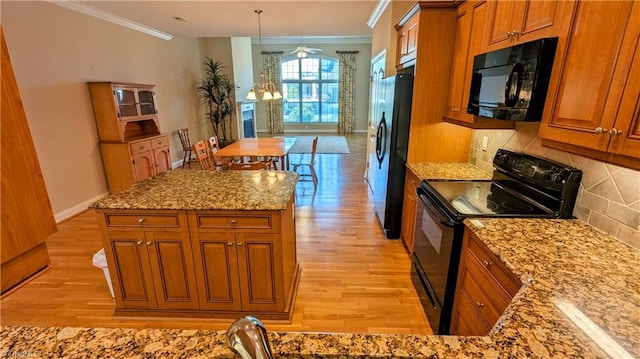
pixel 216 91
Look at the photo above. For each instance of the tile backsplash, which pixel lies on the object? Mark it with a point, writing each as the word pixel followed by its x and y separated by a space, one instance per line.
pixel 609 195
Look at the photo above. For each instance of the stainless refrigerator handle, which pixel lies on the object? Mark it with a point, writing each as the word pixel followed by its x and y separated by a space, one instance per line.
pixel 441 217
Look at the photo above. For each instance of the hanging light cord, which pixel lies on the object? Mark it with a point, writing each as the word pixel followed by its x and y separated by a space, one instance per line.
pixel 266 90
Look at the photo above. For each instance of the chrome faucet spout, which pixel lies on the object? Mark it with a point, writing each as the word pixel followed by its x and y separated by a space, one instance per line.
pixel 248 337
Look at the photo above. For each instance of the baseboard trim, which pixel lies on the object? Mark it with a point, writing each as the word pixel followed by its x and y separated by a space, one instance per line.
pixel 70 212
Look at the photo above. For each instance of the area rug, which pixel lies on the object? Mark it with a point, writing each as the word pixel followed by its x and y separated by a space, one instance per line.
pixel 326 144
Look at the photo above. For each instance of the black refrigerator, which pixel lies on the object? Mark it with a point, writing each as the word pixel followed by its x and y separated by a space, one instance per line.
pixel 392 143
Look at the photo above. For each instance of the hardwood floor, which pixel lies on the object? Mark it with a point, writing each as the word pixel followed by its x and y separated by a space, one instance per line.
pixel 353 279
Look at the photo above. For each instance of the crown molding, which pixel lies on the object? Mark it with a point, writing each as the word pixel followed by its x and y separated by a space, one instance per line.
pixel 306 40
pixel 377 12
pixel 100 14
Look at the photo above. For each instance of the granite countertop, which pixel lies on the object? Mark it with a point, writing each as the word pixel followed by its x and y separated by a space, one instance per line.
pixel 455 171
pixel 566 266
pixel 207 190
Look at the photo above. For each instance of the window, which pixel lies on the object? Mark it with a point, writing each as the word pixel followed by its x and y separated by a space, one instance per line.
pixel 310 90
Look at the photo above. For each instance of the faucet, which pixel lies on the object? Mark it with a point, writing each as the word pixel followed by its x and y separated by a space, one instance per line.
pixel 248 337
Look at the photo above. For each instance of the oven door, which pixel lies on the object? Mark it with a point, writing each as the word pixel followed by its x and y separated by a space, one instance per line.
pixel 436 249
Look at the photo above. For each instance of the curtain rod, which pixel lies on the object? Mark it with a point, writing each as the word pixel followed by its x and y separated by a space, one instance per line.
pixel 272 52
pixel 348 52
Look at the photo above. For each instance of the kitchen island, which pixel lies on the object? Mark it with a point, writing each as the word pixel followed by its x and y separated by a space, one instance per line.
pixel 576 280
pixel 203 244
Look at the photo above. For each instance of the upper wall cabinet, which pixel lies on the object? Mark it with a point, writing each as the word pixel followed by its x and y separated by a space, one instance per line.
pixel 593 102
pixel 124 111
pixel 469 40
pixel 515 22
pixel 407 40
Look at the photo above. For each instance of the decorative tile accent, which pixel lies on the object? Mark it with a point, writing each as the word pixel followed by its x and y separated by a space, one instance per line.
pixel 624 215
pixel 628 183
pixel 600 180
pixel 596 203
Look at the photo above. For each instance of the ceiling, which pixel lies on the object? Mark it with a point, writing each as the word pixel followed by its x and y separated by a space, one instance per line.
pixel 217 18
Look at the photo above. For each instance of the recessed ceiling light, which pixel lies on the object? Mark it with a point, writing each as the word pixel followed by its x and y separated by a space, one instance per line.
pixel 179 19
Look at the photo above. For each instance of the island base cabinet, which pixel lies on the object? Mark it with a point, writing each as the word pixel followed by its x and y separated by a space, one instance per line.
pixel 217 270
pixel 202 263
pixel 153 271
pixel 261 272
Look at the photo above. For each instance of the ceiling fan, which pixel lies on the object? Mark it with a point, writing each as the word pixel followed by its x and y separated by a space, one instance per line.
pixel 303 51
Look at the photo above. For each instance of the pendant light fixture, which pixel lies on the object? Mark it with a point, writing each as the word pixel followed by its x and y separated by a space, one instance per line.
pixel 262 89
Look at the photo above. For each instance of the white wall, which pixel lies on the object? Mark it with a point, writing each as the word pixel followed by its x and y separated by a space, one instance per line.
pixel 363 63
pixel 54 52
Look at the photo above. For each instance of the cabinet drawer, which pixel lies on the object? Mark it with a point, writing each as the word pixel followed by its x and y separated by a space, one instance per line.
pixel 483 295
pixel 140 146
pixel 492 265
pixel 466 320
pixel 259 222
pixel 142 220
pixel 161 141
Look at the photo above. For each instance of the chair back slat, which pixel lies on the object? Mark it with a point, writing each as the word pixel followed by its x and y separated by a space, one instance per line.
pixel 202 155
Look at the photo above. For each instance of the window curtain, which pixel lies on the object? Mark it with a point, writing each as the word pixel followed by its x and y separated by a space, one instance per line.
pixel 271 69
pixel 347 89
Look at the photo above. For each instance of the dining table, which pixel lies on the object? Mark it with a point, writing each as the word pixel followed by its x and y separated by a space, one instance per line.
pixel 260 147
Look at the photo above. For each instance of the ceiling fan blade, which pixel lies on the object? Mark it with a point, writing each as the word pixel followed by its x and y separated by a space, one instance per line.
pixel 312 49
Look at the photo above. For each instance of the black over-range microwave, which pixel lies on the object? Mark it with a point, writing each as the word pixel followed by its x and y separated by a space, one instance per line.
pixel 511 83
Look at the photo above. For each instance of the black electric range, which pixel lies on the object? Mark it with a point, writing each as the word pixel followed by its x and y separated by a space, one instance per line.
pixel 523 185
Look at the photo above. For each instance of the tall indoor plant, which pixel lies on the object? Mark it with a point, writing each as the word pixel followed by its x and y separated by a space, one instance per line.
pixel 216 91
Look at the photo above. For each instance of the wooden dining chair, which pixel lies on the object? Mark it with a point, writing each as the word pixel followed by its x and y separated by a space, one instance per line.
pixel 311 176
pixel 202 155
pixel 213 145
pixel 183 133
pixel 258 165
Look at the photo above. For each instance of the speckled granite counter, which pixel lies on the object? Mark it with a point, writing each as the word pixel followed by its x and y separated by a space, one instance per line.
pixel 226 190
pixel 460 171
pixel 566 265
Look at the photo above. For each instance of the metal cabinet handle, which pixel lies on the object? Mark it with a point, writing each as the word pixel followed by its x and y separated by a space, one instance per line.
pixel 479 304
pixel 139 242
pixel 149 243
pixel 140 220
pixel 229 244
pixel 233 221
pixel 599 130
pixel 509 34
pixel 515 32
pixel 614 132
pixel 486 263
pixel 239 244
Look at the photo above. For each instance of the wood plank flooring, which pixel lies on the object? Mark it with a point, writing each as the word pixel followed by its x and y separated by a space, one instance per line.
pixel 353 279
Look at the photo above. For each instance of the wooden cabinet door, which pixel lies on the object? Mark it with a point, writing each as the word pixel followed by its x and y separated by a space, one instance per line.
pixel 146 101
pixel 133 282
pixel 216 265
pixel 501 23
pixel 143 165
pixel 260 271
pixel 516 22
pixel 456 102
pixel 172 268
pixel 408 40
pixel 625 134
pixel 582 82
pixel 162 159
pixel 126 102
pixel 409 210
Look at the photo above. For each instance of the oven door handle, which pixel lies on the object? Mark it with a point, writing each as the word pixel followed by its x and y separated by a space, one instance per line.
pixel 436 212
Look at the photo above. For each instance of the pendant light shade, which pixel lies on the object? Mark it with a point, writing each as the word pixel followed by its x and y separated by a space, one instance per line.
pixel 263 90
